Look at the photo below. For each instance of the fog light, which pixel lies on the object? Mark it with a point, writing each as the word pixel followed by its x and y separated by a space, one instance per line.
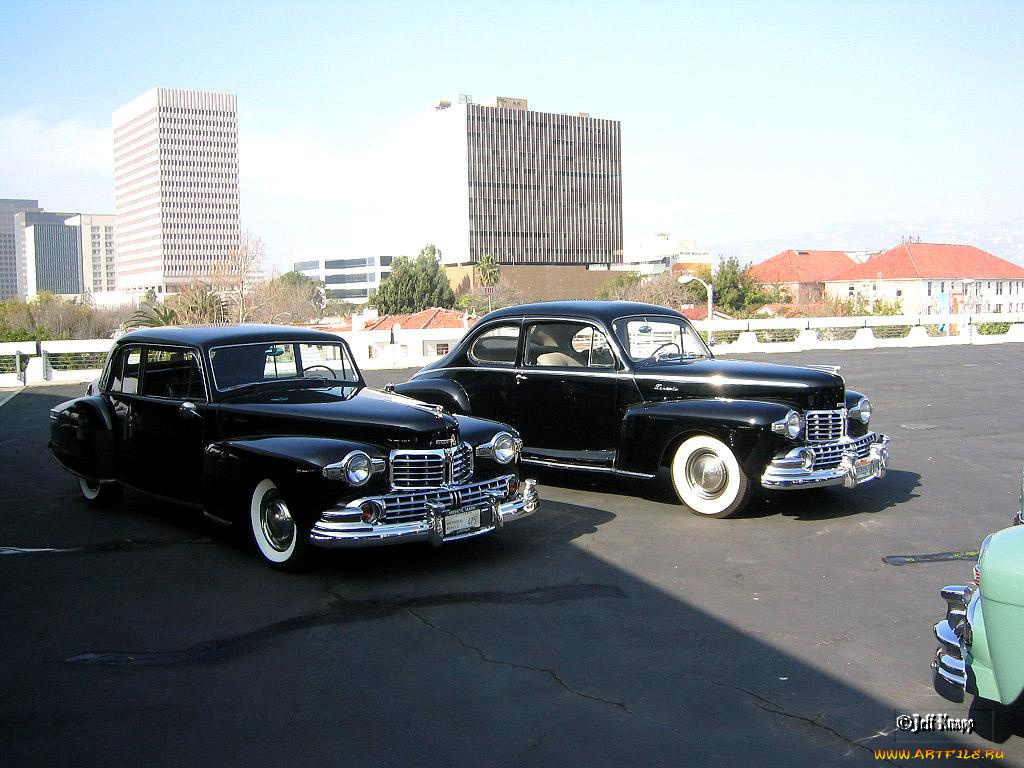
pixel 807 457
pixel 513 487
pixel 371 512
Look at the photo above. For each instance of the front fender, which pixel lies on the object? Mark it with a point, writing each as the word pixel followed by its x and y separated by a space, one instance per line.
pixel 996 616
pixel 652 430
pixel 444 392
pixel 295 463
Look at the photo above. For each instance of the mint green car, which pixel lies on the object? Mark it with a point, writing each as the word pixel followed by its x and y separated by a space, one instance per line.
pixel 981 637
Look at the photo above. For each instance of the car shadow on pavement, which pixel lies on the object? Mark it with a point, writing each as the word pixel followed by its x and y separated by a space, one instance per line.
pixel 897 487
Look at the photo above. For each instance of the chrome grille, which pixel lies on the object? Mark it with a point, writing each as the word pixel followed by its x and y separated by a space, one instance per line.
pixel 829 456
pixel 431 468
pixel 462 463
pixel 410 507
pixel 825 426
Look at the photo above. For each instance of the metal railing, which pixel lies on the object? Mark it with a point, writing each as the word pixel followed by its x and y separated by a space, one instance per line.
pixel 24 363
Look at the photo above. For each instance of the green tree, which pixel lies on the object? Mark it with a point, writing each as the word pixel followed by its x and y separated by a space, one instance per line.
pixel 414 285
pixel 621 286
pixel 488 272
pixel 736 292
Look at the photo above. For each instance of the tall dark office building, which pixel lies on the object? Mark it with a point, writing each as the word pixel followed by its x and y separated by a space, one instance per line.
pixel 52 252
pixel 536 190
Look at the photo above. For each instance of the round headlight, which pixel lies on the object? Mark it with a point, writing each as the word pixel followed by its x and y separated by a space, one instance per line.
pixel 793 425
pixel 504 447
pixel 864 410
pixel 357 467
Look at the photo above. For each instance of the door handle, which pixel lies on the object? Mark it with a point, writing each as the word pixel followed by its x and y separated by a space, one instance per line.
pixel 188 410
pixel 520 377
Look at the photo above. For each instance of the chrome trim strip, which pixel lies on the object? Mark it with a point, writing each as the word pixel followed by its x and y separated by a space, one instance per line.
pixel 718 380
pixel 587 468
pixel 529 370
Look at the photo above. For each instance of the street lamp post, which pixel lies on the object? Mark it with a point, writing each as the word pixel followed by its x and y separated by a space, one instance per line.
pixel 683 280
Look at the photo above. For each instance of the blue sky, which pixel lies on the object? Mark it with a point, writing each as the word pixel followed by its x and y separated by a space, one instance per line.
pixel 741 121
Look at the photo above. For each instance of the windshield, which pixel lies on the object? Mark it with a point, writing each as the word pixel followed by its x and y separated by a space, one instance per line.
pixel 659 338
pixel 243 365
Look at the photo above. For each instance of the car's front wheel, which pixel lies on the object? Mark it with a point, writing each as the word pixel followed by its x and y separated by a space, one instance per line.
pixel 102 495
pixel 708 479
pixel 279 537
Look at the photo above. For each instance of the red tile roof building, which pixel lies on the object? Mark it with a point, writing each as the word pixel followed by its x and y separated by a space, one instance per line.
pixel 803 273
pixel 935 278
pixel 427 318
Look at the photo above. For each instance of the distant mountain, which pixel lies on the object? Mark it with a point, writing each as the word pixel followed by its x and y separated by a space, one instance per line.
pixel 1003 239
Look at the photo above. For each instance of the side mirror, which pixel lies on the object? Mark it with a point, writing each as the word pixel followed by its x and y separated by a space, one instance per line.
pixel 188 410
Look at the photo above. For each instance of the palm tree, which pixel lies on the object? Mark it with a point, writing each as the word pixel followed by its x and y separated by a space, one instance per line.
pixel 488 272
pixel 153 316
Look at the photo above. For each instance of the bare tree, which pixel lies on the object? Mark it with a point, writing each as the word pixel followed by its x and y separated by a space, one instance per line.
pixel 236 277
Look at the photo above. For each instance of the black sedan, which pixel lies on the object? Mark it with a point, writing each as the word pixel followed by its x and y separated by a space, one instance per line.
pixel 629 388
pixel 274 429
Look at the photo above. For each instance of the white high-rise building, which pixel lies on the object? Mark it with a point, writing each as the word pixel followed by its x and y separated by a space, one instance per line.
pixel 96 246
pixel 175 187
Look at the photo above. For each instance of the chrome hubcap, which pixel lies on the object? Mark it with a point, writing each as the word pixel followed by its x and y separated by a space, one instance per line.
pixel 276 521
pixel 707 474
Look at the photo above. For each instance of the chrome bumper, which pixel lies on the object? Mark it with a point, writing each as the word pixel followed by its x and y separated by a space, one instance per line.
pixel 337 529
pixel 953 632
pixel 786 471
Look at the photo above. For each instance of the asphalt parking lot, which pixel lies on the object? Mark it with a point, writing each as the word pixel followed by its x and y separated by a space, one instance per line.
pixel 608 629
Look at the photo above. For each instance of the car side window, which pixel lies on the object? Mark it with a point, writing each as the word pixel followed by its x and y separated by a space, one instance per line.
pixel 567 345
pixel 173 373
pixel 498 345
pixel 125 371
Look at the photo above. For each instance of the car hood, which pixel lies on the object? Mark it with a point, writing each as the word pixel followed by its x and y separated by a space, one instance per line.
pixel 386 419
pixel 803 388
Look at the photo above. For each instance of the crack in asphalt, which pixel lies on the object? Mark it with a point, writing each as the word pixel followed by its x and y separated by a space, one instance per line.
pixel 103 546
pixel 341 612
pixel 534 745
pixel 767 705
pixel 553 674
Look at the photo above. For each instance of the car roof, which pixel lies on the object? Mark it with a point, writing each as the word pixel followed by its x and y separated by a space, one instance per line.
pixel 207 336
pixel 603 311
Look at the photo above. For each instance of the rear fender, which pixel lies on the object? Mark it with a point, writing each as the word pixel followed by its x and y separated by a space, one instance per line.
pixel 83 438
pixel 652 431
pixel 444 392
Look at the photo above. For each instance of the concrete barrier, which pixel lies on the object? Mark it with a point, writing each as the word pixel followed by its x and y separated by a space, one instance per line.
pixel 413 348
pixel 14 355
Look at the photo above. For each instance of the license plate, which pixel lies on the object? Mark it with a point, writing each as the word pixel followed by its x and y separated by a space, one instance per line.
pixel 864 468
pixel 461 521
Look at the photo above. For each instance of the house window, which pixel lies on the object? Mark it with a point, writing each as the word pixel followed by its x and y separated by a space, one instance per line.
pixel 898 293
pixel 929 288
pixel 999 288
pixel 851 291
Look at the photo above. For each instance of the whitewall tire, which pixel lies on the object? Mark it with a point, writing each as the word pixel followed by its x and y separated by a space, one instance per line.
pixel 708 479
pixel 279 538
pixel 99 494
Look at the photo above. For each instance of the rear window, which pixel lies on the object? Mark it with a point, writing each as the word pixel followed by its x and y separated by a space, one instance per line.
pixel 173 373
pixel 498 345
